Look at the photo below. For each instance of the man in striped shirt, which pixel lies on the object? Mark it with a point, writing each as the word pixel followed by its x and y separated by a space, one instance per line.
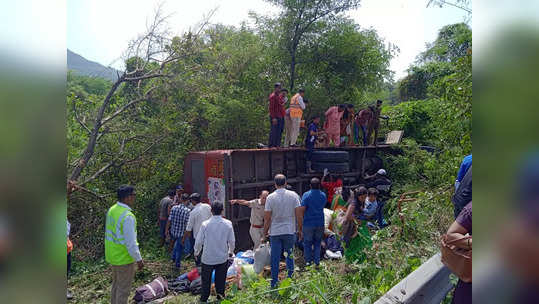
pixel 177 222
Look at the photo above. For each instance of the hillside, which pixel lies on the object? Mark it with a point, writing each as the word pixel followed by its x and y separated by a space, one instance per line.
pixel 83 66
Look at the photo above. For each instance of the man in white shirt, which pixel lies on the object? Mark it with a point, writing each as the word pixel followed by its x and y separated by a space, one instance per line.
pixel 281 214
pixel 200 213
pixel 121 246
pixel 217 237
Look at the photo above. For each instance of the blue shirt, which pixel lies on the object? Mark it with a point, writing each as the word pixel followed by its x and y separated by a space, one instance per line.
pixel 311 139
pixel 314 202
pixel 370 208
pixel 464 166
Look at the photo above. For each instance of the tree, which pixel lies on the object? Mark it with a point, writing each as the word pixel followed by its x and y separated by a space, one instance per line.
pixel 299 18
pixel 453 42
pixel 148 58
pixel 345 63
pixel 415 85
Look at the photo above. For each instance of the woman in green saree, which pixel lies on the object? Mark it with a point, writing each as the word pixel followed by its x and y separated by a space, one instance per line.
pixel 355 232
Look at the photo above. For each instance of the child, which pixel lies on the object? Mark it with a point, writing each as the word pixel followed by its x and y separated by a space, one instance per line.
pixel 371 205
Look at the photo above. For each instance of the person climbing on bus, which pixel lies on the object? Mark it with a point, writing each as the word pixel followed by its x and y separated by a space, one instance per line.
pixel 310 141
pixel 379 180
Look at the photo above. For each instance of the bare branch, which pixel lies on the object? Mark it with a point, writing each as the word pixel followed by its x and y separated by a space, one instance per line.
pixel 89 151
pixel 442 3
pixel 128 105
pixel 97 173
pixel 206 20
pixel 147 76
pixel 77 117
pixel 119 163
pixel 75 187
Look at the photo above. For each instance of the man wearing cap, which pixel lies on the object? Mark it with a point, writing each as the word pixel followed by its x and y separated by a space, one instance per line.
pixel 198 215
pixel 377 179
pixel 277 113
pixel 179 193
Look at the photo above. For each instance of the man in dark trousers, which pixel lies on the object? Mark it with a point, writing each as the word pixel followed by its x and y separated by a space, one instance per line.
pixel 276 113
pixel 312 215
pixel 216 235
pixel 375 123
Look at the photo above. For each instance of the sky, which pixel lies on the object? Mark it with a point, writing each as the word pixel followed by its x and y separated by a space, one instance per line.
pixel 100 30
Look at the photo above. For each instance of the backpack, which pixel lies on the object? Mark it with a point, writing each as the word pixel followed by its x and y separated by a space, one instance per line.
pixel 158 288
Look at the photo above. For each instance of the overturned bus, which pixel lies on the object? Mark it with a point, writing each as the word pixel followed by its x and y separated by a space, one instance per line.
pixel 222 175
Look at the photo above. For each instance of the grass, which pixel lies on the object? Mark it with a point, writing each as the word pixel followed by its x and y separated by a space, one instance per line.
pixel 398 250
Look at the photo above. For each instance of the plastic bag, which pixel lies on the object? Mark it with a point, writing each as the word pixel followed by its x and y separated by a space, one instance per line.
pixel 231 271
pixel 262 258
pixel 248 256
pixel 248 274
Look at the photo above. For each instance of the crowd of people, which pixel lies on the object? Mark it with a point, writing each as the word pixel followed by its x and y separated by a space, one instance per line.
pixel 188 226
pixel 329 220
pixel 341 128
pixel 323 225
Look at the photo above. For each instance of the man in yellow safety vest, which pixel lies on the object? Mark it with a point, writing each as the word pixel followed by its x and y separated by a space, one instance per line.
pixel 297 106
pixel 121 246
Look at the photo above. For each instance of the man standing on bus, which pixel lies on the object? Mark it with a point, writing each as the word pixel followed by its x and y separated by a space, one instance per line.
pixel 296 111
pixel 276 113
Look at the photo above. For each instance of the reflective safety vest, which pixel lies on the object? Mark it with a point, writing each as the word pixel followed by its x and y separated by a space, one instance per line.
pixel 115 250
pixel 295 108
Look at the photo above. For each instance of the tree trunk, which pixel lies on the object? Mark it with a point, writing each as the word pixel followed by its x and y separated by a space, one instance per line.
pixel 92 141
pixel 292 70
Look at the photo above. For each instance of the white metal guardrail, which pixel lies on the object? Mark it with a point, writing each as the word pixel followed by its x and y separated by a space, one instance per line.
pixel 428 284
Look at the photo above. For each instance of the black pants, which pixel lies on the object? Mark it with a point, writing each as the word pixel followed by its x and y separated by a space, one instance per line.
pixel 197 258
pixel 276 132
pixel 68 263
pixel 220 278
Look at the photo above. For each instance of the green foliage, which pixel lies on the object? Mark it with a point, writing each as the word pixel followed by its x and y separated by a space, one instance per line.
pixel 216 98
pixel 452 43
pixel 415 85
